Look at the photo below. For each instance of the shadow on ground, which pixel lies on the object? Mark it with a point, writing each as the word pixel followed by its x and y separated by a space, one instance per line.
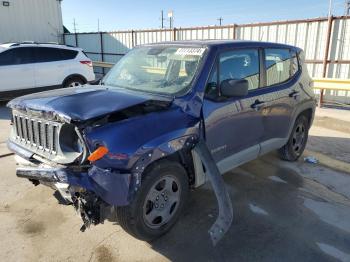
pixel 271 221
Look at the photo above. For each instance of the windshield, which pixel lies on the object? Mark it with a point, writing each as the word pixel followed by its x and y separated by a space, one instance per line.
pixel 156 69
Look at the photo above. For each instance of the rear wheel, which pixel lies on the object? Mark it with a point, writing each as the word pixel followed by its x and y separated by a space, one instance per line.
pixel 297 141
pixel 73 82
pixel 159 202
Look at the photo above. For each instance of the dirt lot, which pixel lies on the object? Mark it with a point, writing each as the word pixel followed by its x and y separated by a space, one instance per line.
pixel 282 211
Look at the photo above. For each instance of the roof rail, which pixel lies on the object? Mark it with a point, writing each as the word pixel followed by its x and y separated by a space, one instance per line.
pixel 27 42
pixel 40 43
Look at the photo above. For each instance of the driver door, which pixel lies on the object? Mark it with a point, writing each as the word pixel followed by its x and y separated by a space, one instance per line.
pixel 233 126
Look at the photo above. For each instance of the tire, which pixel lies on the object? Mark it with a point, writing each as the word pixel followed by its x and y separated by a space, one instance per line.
pixel 297 140
pixel 152 213
pixel 73 82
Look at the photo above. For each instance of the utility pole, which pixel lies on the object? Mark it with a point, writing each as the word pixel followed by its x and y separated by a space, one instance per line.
pixel 171 19
pixel 220 19
pixel 162 18
pixel 74 26
pixel 330 8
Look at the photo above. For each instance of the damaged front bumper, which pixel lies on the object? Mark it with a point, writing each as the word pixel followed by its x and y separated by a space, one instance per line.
pixel 111 186
pixel 94 192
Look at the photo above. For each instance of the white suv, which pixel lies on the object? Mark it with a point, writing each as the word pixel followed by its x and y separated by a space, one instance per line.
pixel 31 67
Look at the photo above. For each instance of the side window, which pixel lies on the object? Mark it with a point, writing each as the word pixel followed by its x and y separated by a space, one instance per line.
pixel 47 54
pixel 67 54
pixel 240 64
pixel 281 65
pixel 17 56
pixel 7 57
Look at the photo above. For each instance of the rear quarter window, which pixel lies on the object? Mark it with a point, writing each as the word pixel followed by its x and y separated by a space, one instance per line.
pixel 280 64
pixel 67 54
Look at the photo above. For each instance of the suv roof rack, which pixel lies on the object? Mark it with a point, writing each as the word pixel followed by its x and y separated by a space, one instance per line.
pixel 40 43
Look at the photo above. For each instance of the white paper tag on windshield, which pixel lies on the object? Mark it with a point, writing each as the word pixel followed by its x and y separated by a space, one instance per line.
pixel 190 51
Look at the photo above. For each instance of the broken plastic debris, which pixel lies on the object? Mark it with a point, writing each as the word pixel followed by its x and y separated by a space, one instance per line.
pixel 311 159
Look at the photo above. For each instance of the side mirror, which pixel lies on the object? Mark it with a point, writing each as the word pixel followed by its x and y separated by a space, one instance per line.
pixel 234 87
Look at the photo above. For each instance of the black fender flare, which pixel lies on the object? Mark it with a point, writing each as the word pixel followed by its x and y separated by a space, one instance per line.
pixel 163 150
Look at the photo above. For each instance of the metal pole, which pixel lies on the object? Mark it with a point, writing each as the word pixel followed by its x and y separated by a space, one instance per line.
pixel 234 31
pixel 162 17
pixel 76 39
pixel 75 26
pixel 328 40
pixel 102 51
pixel 326 53
pixel 132 38
pixel 174 33
pixel 330 8
pixel 220 21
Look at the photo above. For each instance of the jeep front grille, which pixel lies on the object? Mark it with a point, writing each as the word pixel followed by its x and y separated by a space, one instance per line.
pixel 36 133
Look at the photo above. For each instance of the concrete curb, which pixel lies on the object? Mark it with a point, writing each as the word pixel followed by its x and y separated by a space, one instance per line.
pixel 330 162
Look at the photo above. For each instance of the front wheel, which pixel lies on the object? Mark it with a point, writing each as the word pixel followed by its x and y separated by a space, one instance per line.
pixel 297 140
pixel 159 202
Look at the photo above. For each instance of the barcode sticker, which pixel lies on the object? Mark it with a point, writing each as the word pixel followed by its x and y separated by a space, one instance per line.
pixel 190 51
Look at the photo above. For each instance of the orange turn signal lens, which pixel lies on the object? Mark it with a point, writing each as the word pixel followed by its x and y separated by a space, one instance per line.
pixel 98 153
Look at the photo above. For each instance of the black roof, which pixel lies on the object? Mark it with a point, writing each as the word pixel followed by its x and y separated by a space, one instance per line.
pixel 228 43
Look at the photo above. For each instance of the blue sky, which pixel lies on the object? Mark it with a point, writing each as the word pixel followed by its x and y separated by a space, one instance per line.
pixel 137 14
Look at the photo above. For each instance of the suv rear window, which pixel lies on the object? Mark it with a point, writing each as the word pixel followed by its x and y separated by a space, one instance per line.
pixel 281 65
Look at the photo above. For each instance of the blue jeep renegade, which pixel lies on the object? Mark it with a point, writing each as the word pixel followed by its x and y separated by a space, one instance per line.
pixel 166 118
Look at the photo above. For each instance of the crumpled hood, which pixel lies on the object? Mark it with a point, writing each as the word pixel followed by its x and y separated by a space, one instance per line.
pixel 78 104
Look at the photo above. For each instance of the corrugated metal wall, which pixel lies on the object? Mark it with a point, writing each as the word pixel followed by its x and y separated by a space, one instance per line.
pixel 310 35
pixel 31 20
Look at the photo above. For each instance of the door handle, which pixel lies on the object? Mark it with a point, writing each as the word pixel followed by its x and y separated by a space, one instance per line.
pixel 294 94
pixel 257 105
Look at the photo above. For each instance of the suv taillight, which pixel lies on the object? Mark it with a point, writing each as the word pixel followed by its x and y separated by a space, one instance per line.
pixel 88 63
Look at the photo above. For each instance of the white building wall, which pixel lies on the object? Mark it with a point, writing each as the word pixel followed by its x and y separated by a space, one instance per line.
pixel 31 20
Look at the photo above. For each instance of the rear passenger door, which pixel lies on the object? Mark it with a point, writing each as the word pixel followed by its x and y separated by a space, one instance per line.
pixel 233 127
pixel 52 65
pixel 16 69
pixel 280 95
